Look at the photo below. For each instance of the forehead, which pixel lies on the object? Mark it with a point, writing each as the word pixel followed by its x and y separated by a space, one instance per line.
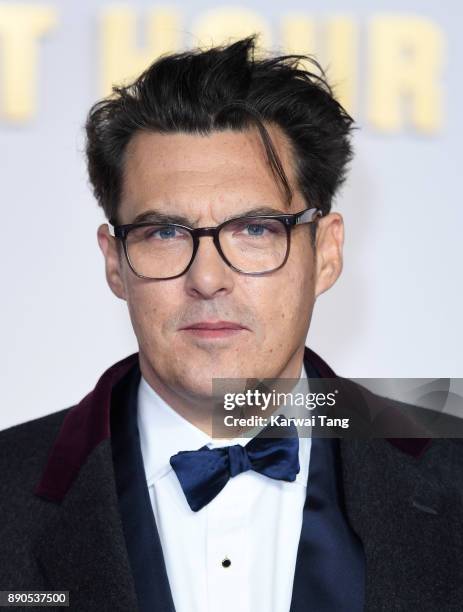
pixel 216 175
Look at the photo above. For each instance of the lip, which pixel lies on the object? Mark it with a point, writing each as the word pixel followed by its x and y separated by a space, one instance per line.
pixel 214 325
pixel 214 329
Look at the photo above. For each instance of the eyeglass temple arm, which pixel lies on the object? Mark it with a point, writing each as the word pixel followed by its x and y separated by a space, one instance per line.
pixel 309 215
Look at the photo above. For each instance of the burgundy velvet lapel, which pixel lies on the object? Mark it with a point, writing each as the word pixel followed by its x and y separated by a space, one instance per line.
pixel 85 426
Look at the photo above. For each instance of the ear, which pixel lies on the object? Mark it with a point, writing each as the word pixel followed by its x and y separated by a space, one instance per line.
pixel 328 245
pixel 113 261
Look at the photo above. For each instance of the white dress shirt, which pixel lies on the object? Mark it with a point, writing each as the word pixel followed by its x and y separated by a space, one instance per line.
pixel 254 522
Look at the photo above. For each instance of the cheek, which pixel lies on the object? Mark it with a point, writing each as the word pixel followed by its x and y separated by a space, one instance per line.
pixel 301 263
pixel 283 302
pixel 149 306
pixel 295 295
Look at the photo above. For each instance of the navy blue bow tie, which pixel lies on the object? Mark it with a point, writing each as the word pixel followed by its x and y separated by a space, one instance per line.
pixel 203 473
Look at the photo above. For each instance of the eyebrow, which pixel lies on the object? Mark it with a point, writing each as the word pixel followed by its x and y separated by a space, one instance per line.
pixel 156 216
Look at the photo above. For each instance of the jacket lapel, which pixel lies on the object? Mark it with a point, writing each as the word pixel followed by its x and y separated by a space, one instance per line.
pixel 401 501
pixel 81 547
pixel 330 564
pixel 87 536
pixel 139 525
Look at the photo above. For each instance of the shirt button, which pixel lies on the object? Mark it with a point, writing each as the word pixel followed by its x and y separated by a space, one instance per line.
pixel 226 562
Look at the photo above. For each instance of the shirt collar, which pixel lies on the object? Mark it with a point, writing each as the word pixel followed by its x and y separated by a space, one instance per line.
pixel 164 432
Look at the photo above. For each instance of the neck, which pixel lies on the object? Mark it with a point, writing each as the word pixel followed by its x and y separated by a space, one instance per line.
pixel 198 410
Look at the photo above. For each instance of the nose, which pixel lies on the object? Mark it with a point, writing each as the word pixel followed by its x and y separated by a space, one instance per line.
pixel 208 275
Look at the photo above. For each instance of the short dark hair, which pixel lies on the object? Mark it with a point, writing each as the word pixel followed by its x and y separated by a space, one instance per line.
pixel 226 87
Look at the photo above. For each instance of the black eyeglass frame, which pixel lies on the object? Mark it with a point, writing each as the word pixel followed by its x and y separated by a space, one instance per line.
pixel 308 215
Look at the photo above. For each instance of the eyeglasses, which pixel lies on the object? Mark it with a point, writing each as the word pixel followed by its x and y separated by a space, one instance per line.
pixel 255 244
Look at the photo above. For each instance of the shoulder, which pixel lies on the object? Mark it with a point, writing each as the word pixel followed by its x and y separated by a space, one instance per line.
pixel 24 449
pixel 30 429
pixel 387 417
pixel 387 432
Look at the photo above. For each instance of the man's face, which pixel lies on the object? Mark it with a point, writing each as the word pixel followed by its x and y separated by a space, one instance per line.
pixel 208 179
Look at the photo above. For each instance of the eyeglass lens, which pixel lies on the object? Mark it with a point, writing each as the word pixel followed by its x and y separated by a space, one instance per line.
pixel 250 245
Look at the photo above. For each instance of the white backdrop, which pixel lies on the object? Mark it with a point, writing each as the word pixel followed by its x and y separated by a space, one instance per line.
pixel 394 313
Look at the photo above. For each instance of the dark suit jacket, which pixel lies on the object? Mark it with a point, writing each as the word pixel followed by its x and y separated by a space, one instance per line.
pixel 60 526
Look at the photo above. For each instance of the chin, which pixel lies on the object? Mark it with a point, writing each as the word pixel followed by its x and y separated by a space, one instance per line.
pixel 190 386
pixel 199 380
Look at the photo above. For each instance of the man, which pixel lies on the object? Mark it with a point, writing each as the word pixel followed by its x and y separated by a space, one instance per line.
pixel 216 172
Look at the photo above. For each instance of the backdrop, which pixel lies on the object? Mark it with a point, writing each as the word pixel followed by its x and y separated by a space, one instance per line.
pixel 397 67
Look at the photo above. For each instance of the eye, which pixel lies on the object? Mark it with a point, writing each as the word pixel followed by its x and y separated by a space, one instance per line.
pixel 249 228
pixel 165 232
pixel 256 229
